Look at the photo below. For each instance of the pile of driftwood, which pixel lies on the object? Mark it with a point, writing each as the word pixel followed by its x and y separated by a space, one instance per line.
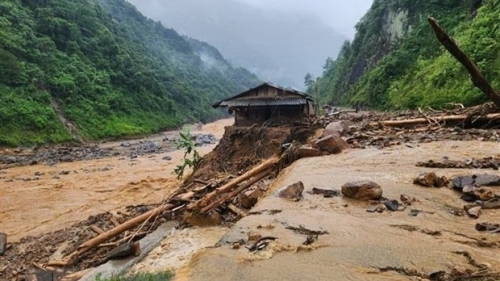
pixel 192 199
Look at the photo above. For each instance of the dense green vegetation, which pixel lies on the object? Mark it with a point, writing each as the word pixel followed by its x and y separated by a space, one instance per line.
pixel 414 70
pixel 112 72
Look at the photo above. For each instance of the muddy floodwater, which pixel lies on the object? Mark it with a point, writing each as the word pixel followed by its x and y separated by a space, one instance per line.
pixel 41 198
pixel 356 245
pixel 359 245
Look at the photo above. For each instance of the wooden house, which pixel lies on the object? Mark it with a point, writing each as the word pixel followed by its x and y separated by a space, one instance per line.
pixel 267 103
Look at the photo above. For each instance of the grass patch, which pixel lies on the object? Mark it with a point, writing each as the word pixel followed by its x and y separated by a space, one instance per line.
pixel 141 276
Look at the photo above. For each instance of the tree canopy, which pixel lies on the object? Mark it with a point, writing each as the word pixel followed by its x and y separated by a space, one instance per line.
pixel 110 70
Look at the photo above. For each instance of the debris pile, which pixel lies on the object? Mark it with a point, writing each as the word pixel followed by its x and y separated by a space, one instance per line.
pixel 411 128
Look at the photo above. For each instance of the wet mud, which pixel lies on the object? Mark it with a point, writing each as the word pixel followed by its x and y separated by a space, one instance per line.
pixel 359 245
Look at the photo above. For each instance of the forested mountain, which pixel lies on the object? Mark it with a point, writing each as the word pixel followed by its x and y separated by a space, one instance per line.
pixel 105 68
pixel 395 60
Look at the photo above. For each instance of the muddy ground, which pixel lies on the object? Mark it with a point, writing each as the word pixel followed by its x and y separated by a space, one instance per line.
pixel 48 195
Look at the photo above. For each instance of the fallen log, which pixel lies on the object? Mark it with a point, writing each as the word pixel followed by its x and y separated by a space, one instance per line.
pixel 476 76
pixel 419 121
pixel 96 241
pixel 230 185
pixel 235 192
pixel 96 229
pixel 237 210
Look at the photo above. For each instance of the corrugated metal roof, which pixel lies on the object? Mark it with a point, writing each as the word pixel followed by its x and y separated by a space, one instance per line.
pixel 263 102
pixel 293 92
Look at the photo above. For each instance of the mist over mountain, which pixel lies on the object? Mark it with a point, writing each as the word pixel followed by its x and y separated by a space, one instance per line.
pixel 279 46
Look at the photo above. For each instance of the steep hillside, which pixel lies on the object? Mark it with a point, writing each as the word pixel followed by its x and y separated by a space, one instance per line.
pixel 104 68
pixel 395 61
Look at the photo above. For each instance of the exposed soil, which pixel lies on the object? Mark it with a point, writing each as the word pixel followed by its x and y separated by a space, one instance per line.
pixel 243 147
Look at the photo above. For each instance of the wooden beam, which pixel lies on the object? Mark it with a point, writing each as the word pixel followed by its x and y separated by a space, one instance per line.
pixel 233 183
pixel 418 121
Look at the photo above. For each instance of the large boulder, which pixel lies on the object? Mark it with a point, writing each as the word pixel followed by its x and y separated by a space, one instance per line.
pixel 362 190
pixel 332 144
pixel 337 128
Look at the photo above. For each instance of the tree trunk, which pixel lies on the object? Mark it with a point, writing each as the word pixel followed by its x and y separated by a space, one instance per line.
pixel 476 76
pixel 230 185
pixel 235 192
pixel 417 121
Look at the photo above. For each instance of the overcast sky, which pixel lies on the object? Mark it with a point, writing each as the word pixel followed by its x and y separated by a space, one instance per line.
pixel 279 40
pixel 340 14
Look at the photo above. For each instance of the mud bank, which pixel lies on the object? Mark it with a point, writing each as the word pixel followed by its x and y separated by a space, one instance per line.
pixel 359 245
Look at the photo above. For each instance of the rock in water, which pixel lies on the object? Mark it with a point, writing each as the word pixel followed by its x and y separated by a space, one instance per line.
pixel 473 212
pixel 391 205
pixel 292 192
pixel 407 199
pixel 338 128
pixel 327 193
pixel 126 144
pixel 487 226
pixel 430 180
pixel 3 243
pixel 362 190
pixel 332 144
pixel 9 159
pixel 376 208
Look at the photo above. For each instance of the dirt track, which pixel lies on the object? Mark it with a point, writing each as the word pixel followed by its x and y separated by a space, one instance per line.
pixel 41 198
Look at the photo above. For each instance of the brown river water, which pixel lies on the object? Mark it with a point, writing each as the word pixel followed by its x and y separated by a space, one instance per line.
pixel 358 244
pixel 56 200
